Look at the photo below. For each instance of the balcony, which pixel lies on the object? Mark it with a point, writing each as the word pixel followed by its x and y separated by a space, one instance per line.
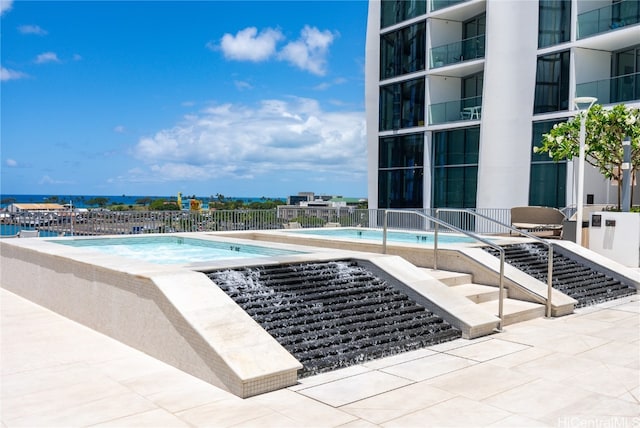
pixel 441 4
pixel 608 18
pixel 454 111
pixel 464 50
pixel 611 91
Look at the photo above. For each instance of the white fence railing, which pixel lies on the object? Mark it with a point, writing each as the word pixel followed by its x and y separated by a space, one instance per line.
pixel 102 222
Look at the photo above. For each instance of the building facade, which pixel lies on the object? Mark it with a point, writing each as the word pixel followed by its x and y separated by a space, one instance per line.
pixel 459 91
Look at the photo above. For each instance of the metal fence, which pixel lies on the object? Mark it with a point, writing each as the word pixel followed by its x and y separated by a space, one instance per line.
pixel 103 222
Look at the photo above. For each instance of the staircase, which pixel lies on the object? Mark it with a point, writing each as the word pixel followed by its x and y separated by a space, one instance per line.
pixel 486 297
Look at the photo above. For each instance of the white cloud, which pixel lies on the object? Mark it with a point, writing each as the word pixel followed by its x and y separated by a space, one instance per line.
pixel 77 57
pixel 265 141
pixel 7 74
pixel 326 85
pixel 5 6
pixel 310 51
pixel 32 29
pixel 47 57
pixel 120 129
pixel 48 180
pixel 11 163
pixel 248 45
pixel 241 85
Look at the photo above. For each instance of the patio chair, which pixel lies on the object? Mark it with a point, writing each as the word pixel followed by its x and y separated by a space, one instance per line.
pixel 545 222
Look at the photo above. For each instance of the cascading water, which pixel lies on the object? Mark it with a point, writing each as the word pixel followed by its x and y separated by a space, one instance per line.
pixel 583 283
pixel 332 314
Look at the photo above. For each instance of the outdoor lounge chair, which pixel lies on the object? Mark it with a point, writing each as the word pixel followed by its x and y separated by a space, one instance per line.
pixel 28 234
pixel 545 222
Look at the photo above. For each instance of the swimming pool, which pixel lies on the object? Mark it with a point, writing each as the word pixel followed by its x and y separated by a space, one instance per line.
pixel 392 236
pixel 174 249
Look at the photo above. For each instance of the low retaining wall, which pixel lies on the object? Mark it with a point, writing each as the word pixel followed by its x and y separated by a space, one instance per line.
pixel 170 313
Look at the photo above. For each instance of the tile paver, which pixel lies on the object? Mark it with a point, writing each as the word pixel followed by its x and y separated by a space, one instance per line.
pixel 571 371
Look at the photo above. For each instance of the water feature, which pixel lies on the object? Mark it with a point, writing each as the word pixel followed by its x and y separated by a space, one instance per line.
pixel 582 282
pixel 173 249
pixel 332 314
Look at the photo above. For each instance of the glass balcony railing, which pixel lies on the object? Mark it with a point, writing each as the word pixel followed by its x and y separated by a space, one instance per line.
pixel 608 18
pixel 610 91
pixel 464 50
pixel 453 111
pixel 441 4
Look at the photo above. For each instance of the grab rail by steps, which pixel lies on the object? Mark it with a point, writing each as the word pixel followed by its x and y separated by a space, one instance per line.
pixel 522 232
pixel 472 235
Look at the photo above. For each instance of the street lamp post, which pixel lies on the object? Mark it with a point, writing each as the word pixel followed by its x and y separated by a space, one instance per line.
pixel 583 134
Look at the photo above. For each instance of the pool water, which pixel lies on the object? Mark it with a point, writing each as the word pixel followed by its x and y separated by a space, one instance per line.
pixel 174 249
pixel 392 236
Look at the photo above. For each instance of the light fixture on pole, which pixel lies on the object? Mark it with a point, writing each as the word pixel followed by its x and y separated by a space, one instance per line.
pixel 583 134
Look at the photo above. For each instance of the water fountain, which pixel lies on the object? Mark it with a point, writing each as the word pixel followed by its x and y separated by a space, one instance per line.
pixel 578 280
pixel 332 314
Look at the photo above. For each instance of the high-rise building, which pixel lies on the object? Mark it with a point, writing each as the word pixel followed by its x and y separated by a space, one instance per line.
pixel 458 93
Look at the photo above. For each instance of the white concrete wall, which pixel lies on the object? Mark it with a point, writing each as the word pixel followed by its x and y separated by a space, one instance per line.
pixel 372 97
pixel 509 85
pixel 619 240
pixel 175 315
pixel 444 32
pixel 592 65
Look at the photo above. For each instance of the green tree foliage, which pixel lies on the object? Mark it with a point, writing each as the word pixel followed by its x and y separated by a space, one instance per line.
pixel 99 201
pixel 163 205
pixel 605 131
pixel 144 201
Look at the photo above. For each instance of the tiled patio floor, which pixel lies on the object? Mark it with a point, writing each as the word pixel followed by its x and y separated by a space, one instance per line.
pixel 582 370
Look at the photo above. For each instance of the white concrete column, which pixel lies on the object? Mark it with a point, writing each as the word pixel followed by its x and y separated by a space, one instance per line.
pixel 507 107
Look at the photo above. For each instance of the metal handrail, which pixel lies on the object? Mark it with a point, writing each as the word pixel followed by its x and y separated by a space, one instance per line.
pixel 528 235
pixel 437 221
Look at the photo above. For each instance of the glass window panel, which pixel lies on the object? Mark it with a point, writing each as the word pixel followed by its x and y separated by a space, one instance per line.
pixel 403 51
pixel 547 183
pixel 554 22
pixel 400 188
pixel 472 145
pixel 401 151
pixel 402 105
pixel 395 11
pixel 552 83
pixel 455 170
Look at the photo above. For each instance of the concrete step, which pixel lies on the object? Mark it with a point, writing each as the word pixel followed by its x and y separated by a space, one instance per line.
pixel 450 278
pixel 479 293
pixel 514 311
pixel 486 297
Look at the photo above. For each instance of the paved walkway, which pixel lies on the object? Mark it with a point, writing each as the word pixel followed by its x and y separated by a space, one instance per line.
pixel 582 371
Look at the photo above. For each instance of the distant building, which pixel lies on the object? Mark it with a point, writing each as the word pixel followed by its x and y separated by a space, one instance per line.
pixel 19 207
pixel 325 207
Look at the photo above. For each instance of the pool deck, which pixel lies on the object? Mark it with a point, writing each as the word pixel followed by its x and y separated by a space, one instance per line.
pixel 580 370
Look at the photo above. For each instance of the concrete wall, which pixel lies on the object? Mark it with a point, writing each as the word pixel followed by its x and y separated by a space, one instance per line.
pixel 509 86
pixel 175 315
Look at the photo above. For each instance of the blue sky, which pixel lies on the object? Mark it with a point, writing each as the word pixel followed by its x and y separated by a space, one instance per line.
pixel 241 98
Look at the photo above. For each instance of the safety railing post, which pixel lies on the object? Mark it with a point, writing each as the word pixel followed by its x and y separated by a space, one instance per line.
pixel 549 280
pixel 384 232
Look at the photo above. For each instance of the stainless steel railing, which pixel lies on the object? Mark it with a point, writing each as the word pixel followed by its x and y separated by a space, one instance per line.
pixel 439 222
pixel 521 232
pixel 94 222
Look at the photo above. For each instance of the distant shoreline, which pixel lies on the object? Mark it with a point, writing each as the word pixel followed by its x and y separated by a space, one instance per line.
pixel 80 201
